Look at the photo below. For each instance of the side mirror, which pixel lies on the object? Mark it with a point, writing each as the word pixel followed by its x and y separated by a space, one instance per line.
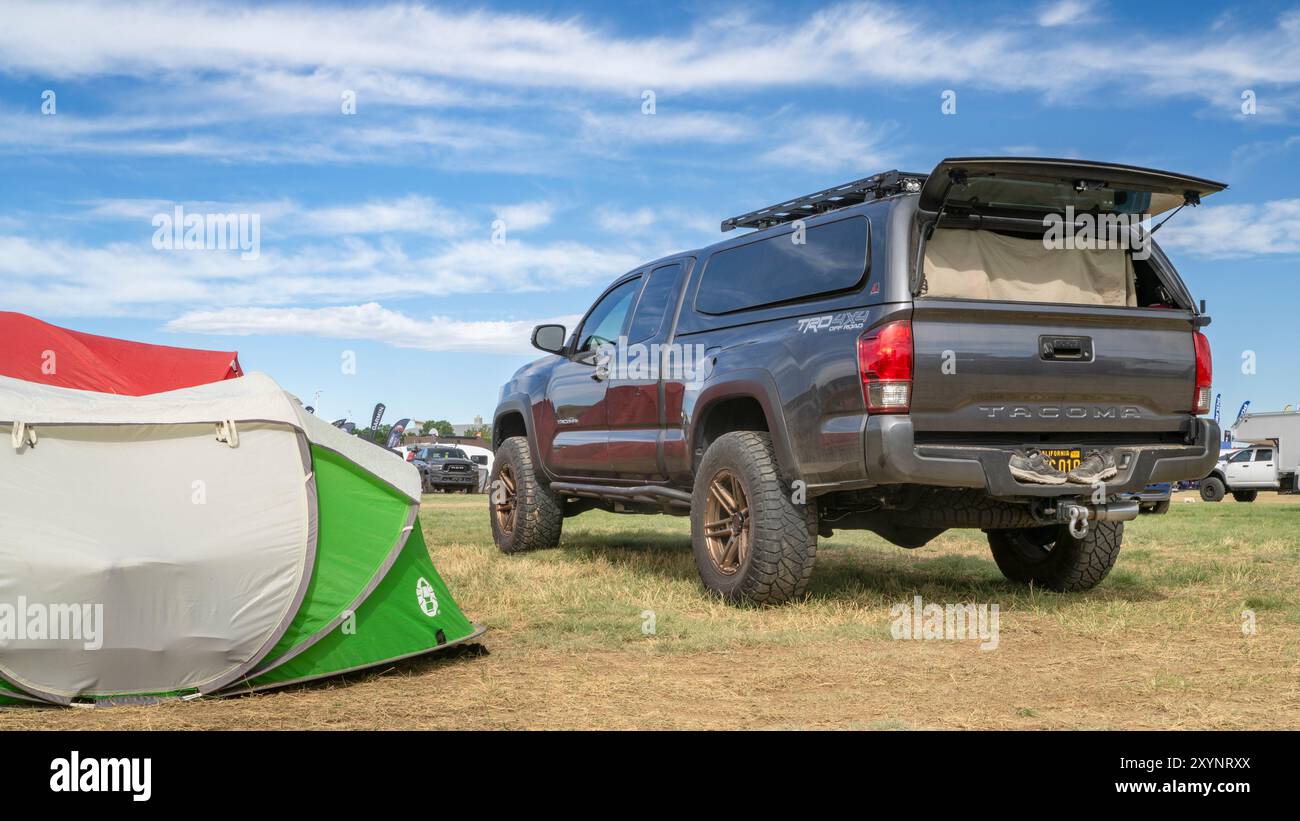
pixel 549 338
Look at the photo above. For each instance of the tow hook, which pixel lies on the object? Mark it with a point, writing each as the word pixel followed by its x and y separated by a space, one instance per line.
pixel 1080 517
pixel 1078 521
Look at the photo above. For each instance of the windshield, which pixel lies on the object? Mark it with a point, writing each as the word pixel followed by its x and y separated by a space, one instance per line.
pixel 441 454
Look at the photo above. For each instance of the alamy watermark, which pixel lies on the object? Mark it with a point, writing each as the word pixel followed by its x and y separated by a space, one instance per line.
pixel 39 621
pixel 179 231
pixel 919 621
pixel 639 361
pixel 1091 232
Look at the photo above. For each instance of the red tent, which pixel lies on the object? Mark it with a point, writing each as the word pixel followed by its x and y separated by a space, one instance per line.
pixel 37 351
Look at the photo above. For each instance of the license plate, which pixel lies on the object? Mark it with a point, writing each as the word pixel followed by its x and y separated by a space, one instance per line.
pixel 1063 459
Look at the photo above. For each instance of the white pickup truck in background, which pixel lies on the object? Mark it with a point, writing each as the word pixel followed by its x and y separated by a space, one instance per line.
pixel 1270 462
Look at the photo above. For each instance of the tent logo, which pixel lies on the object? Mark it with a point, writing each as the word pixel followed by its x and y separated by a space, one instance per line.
pixel 426 597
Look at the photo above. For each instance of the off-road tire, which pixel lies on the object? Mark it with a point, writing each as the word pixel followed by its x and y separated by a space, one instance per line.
pixel 1070 565
pixel 783 535
pixel 1212 489
pixel 1245 495
pixel 538 512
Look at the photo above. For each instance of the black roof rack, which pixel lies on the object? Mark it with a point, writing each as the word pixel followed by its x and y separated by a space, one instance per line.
pixel 841 196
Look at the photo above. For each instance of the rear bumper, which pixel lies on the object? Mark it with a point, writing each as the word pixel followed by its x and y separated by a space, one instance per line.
pixel 893 457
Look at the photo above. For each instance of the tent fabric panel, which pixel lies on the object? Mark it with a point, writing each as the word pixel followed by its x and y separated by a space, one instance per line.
pixel 974 264
pixel 36 351
pixel 362 527
pixel 393 623
pixel 194 551
pixel 255 397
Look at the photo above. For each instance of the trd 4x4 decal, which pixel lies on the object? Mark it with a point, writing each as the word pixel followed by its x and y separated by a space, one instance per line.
pixel 847 321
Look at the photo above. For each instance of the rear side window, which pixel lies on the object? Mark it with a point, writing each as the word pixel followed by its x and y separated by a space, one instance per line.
pixel 832 258
pixel 1264 455
pixel 650 311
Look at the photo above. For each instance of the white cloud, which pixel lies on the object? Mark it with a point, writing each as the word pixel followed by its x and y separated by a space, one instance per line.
pixel 1063 13
pixel 67 278
pixel 687 226
pixel 525 216
pixel 411 214
pixel 436 50
pixel 1234 231
pixel 831 143
pixel 665 126
pixel 626 222
pixel 454 141
pixel 370 321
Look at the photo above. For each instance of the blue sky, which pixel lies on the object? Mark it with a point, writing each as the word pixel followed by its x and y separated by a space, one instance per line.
pixel 377 227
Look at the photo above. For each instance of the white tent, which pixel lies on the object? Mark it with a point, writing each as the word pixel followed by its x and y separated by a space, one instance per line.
pixel 164 544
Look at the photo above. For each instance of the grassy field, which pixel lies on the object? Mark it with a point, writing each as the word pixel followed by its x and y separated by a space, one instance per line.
pixel 1159 644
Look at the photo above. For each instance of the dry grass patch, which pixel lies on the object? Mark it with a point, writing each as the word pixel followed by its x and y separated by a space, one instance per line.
pixel 1159 644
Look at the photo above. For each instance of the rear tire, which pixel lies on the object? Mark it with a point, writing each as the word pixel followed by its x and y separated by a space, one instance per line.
pixel 1050 557
pixel 1212 489
pixel 1160 507
pixel 1245 495
pixel 525 514
pixel 751 541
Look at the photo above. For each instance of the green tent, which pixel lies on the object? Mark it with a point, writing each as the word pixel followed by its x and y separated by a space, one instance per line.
pixel 210 540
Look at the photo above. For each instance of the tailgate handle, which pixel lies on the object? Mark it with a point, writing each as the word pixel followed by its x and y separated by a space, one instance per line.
pixel 1065 348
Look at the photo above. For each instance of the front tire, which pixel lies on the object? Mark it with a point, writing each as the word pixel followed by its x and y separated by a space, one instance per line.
pixel 1212 489
pixel 525 514
pixel 751 541
pixel 1050 557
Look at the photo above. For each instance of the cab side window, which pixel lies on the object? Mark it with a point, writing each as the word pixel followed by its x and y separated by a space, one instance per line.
pixel 1244 456
pixel 1265 455
pixel 605 322
pixel 653 308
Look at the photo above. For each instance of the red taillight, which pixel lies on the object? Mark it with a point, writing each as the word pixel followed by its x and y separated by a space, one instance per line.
pixel 410 456
pixel 1204 375
pixel 885 365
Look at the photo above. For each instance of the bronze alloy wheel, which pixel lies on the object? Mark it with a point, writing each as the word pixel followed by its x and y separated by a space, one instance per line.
pixel 503 500
pixel 727 529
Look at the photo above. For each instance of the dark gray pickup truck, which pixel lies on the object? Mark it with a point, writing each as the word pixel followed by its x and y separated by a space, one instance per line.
pixel 998 344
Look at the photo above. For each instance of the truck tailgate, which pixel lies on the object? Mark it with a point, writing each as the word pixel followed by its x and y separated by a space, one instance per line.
pixel 1002 368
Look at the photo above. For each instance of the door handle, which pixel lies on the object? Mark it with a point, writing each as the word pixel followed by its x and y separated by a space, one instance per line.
pixel 1065 348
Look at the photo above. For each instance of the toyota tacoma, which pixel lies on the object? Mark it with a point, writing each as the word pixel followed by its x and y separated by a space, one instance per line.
pixel 999 344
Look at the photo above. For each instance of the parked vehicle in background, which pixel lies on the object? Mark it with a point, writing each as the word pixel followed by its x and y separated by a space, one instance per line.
pixel 447 468
pixel 1153 498
pixel 1271 462
pixel 903 354
pixel 482 457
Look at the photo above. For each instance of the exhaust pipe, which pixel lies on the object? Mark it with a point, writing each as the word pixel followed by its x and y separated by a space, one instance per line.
pixel 1079 517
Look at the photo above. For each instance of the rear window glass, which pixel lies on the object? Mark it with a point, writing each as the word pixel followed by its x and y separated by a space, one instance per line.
pixel 650 311
pixel 1039 196
pixel 832 258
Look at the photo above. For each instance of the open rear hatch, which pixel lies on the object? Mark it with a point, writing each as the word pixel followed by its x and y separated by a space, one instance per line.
pixel 1031 187
pixel 1021 343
